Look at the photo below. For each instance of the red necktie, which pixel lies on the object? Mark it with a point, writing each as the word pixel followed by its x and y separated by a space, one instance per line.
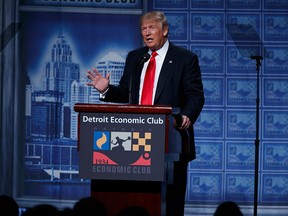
pixel 147 90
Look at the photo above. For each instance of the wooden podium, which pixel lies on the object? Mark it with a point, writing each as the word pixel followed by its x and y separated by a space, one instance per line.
pixel 123 149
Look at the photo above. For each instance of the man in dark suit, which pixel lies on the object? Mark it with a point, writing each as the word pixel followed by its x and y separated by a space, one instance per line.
pixel 177 83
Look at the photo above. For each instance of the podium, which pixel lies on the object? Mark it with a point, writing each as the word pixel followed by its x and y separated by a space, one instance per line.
pixel 124 150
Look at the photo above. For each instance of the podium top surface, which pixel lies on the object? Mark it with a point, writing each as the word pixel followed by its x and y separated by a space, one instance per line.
pixel 122 108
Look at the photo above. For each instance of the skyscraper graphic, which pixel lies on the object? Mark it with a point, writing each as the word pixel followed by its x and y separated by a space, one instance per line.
pixel 60 70
pixel 51 145
pixel 80 93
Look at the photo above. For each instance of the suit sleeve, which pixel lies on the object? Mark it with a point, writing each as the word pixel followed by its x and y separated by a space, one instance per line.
pixel 193 89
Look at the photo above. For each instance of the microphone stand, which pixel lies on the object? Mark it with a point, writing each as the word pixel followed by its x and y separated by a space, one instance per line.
pixel 131 81
pixel 130 89
pixel 257 141
pixel 139 65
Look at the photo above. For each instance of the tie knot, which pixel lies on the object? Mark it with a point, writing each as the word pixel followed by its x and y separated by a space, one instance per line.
pixel 154 54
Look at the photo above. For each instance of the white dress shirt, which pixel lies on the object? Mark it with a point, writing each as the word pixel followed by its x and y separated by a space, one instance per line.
pixel 159 62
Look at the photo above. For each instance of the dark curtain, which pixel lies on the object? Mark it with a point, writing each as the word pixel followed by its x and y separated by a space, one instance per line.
pixel 12 97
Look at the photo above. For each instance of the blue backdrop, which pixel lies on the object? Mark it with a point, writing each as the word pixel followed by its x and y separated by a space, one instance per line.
pixel 62 40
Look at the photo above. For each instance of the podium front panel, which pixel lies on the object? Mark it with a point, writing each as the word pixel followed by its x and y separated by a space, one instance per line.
pixel 122 146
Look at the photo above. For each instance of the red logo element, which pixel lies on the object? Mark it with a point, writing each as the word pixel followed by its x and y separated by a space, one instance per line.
pixel 99 158
pixel 144 160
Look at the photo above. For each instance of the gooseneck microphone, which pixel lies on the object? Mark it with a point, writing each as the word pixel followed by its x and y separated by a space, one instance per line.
pixel 144 59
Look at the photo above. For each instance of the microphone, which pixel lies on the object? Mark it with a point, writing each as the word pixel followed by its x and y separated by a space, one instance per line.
pixel 144 59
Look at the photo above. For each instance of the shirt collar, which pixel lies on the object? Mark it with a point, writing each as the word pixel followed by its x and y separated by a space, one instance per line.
pixel 163 50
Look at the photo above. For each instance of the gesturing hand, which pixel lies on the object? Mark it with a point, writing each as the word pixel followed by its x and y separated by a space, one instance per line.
pixel 98 81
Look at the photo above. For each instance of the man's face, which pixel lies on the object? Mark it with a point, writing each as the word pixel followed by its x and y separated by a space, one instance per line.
pixel 153 34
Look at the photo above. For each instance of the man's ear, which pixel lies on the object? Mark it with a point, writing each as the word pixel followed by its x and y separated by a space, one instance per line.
pixel 166 32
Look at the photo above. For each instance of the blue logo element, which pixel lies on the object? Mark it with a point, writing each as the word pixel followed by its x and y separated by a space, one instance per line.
pixel 241 91
pixel 171 4
pixel 101 140
pixel 275 188
pixel 243 27
pixel 209 156
pixel 238 59
pixel 239 187
pixel 200 4
pixel 178 26
pixel 205 186
pixel 276 92
pixel 209 124
pixel 240 156
pixel 238 5
pixel 275 156
pixel 213 90
pixel 207 26
pixel 276 124
pixel 276 27
pixel 211 58
pixel 271 4
pixel 277 61
pixel 241 124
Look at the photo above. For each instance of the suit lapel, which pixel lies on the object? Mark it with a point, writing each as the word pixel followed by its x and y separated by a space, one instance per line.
pixel 136 85
pixel 136 77
pixel 165 73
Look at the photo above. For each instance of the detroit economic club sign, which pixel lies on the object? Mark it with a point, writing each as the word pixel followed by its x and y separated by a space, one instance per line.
pixel 122 146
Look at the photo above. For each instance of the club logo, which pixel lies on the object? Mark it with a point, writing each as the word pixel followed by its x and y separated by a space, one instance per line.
pixel 122 148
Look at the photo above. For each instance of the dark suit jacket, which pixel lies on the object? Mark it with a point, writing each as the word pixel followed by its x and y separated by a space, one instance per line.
pixel 179 85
